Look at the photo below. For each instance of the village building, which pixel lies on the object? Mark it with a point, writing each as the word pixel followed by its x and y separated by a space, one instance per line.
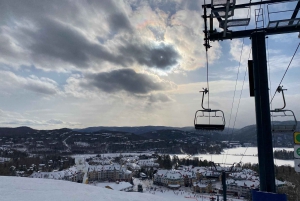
pixel 203 186
pixel 174 179
pixel 113 172
pixel 148 163
pixel 70 174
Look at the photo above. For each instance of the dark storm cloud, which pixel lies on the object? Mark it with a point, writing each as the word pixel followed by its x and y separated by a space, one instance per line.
pixel 56 40
pixel 53 37
pixel 162 56
pixel 124 80
pixel 5 47
pixel 119 22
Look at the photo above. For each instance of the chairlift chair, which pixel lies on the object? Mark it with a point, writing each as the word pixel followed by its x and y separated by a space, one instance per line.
pixel 228 168
pixel 208 113
pixel 284 126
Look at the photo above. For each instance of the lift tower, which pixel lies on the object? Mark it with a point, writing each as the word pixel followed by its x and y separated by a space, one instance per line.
pixel 222 10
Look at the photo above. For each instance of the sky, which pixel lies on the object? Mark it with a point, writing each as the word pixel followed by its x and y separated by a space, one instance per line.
pixel 88 63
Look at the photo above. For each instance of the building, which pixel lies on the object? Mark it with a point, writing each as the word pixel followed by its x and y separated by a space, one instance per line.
pixel 70 174
pixel 169 178
pixel 203 186
pixel 113 172
pixel 148 163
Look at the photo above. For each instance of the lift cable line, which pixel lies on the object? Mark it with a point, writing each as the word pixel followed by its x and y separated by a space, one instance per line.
pixel 239 106
pixel 237 76
pixel 207 82
pixel 223 10
pixel 208 113
pixel 286 71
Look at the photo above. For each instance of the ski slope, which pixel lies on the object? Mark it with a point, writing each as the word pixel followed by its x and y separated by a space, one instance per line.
pixel 33 189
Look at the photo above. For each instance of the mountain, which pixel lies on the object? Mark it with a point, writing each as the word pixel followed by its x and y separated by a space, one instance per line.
pixel 135 130
pixel 16 131
pixel 248 133
pixel 164 134
pixel 245 134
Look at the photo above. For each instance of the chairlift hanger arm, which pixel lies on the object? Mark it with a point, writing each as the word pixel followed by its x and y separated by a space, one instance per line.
pixel 280 89
pixel 204 92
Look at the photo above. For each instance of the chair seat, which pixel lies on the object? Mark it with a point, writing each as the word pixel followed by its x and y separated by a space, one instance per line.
pixel 283 128
pixel 209 127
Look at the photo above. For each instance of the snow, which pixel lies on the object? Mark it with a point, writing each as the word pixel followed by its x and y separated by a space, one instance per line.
pixel 28 189
pixel 183 193
pixel 234 155
pixel 118 187
pixel 173 175
pixel 34 189
pixel 3 159
pixel 174 185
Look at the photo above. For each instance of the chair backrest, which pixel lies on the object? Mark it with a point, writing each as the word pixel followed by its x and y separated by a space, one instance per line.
pixel 287 121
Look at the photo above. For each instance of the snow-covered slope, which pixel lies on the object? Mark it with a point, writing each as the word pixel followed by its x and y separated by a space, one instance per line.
pixel 32 189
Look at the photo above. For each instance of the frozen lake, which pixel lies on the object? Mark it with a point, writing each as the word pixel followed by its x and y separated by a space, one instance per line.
pixel 229 156
pixel 240 154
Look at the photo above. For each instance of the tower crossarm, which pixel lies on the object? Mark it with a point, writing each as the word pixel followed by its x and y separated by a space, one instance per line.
pixel 247 33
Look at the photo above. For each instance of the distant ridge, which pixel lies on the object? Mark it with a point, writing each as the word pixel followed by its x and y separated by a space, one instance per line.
pixel 135 129
pixel 17 131
pixel 245 134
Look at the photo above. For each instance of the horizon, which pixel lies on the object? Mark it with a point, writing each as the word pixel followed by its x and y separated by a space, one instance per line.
pixel 130 63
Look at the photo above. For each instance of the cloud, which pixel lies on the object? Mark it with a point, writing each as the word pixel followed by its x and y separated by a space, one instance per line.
pixel 125 80
pixel 103 35
pixel 216 87
pixel 32 83
pixel 161 56
pixel 54 121
pixel 240 51
pixel 159 97
pixel 29 122
pixel 119 22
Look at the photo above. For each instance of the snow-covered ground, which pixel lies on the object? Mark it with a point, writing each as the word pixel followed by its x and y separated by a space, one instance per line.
pixel 235 155
pixel 229 156
pixel 184 193
pixel 115 186
pixel 29 189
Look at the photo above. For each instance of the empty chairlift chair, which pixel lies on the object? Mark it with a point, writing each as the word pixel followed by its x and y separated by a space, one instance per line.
pixel 208 119
pixel 283 120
